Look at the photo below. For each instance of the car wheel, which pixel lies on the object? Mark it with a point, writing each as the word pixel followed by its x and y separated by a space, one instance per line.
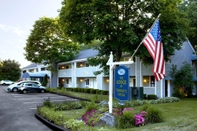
pixel 3 84
pixel 24 91
pixel 14 89
pixel 42 91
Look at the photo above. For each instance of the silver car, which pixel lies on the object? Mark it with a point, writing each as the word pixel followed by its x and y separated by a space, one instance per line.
pixel 6 82
pixel 14 87
pixel 31 87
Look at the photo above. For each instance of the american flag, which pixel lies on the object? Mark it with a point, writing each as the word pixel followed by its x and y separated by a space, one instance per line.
pixel 153 43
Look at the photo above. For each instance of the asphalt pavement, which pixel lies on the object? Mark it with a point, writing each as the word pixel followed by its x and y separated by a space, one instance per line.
pixel 17 111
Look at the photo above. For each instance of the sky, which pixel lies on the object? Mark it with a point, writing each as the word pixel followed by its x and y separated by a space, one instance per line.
pixel 17 18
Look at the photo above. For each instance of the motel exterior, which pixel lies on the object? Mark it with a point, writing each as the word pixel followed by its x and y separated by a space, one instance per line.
pixel 78 73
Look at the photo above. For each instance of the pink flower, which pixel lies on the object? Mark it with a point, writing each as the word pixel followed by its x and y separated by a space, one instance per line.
pixel 139 119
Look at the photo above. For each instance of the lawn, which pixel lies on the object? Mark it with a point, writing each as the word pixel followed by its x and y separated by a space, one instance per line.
pixel 178 116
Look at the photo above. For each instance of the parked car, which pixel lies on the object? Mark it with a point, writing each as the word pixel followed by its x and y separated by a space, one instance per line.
pixel 31 87
pixel 14 87
pixel 6 82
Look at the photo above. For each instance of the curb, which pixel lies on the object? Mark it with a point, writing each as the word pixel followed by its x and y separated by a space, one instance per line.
pixel 49 124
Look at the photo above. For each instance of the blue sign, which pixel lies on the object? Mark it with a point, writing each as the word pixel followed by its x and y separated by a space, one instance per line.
pixel 121 84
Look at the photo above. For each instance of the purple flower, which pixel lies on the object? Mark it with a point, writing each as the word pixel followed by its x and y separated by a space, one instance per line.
pixel 139 119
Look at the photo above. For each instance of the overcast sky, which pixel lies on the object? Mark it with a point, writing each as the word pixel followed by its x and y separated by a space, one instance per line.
pixel 16 20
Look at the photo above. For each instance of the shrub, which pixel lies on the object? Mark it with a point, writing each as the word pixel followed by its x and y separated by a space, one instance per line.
pixel 144 96
pixel 178 93
pixel 51 115
pixel 44 81
pixel 126 120
pixel 99 92
pixel 74 124
pixel 154 114
pixel 60 87
pixel 91 105
pixel 67 106
pixel 91 117
pixel 105 92
pixel 152 97
pixel 88 90
pixel 93 91
pixel 47 102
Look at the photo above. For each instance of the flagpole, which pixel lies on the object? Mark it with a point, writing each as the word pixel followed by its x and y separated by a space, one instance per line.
pixel 144 37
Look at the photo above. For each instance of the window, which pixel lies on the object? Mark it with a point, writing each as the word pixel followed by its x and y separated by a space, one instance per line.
pixel 31 70
pixel 87 81
pixel 145 80
pixel 66 66
pixel 148 81
pixel 87 65
pixel 152 81
pixel 61 67
pixel 67 81
pixel 80 64
pixel 43 69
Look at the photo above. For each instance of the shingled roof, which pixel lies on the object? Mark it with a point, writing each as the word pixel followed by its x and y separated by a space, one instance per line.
pixel 86 54
pixel 82 54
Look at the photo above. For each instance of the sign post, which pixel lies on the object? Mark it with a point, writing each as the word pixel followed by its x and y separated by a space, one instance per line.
pixel 111 66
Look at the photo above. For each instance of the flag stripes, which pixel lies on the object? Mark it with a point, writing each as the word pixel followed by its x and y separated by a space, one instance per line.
pixel 150 45
pixel 155 48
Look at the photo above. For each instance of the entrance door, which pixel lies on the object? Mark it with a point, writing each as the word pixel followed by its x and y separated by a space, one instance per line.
pixel 166 88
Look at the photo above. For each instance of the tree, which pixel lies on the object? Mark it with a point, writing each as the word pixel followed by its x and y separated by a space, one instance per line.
pixel 45 80
pixel 10 70
pixel 190 7
pixel 183 80
pixel 122 24
pixel 47 43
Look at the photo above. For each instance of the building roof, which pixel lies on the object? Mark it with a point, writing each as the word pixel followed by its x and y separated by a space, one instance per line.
pixel 32 65
pixel 82 54
pixel 86 54
pixel 34 75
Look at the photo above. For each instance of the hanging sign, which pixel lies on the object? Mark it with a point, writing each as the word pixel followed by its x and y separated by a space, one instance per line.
pixel 121 84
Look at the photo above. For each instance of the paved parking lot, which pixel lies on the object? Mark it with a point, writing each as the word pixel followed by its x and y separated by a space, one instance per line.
pixel 33 99
pixel 17 111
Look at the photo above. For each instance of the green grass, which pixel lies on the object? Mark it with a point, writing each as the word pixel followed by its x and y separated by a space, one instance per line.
pixel 178 116
pixel 74 114
pixel 80 94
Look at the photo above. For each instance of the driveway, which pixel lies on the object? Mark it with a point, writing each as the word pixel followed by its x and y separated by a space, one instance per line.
pixel 17 111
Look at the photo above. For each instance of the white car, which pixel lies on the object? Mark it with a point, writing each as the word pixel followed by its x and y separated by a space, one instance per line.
pixel 14 87
pixel 6 82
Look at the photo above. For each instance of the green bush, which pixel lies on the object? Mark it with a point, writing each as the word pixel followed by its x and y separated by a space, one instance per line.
pixel 93 91
pixel 75 89
pixel 154 114
pixel 44 81
pixel 152 97
pixel 105 92
pixel 74 124
pixel 178 94
pixel 144 96
pixel 88 90
pixel 68 105
pixel 99 92
pixel 55 117
pixel 47 102
pixel 91 105
pixel 126 120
